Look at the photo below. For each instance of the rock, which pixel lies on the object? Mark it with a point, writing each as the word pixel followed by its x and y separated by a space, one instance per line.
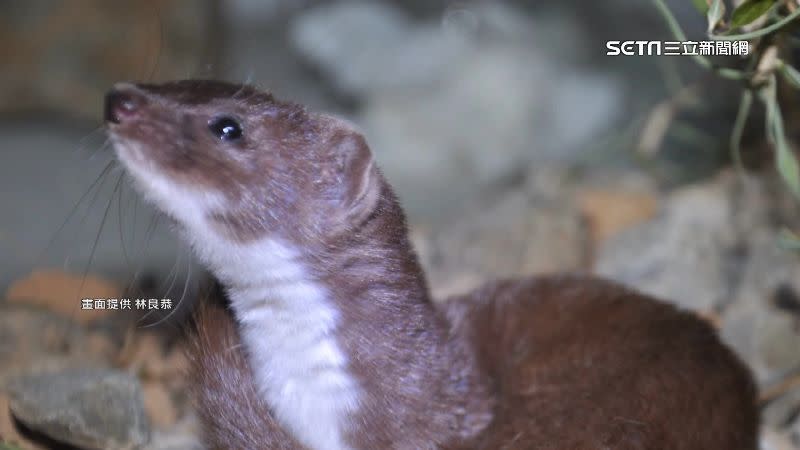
pixel 781 411
pixel 449 112
pixel 765 336
pixel 33 340
pixel 515 234
pixel 611 211
pixel 775 440
pixel 162 440
pixel 62 293
pixel 159 406
pixel 366 47
pixel 8 431
pixel 682 255
pixel 183 436
pixel 87 408
pixel 145 354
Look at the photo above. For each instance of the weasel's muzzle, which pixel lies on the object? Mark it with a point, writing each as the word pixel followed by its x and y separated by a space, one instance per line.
pixel 122 102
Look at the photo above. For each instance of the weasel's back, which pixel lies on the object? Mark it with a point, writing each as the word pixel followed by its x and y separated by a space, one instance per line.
pixel 582 363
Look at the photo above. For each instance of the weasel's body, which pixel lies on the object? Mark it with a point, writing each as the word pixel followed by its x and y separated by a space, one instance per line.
pixel 336 344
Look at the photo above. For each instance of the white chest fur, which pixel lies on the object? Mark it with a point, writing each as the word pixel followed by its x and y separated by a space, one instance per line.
pixel 286 319
pixel 287 326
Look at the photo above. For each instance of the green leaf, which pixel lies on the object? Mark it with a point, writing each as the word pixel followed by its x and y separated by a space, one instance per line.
pixel 749 11
pixel 738 128
pixel 715 13
pixel 791 74
pixel 701 5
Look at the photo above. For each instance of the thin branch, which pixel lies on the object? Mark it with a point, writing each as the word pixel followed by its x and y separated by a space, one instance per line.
pixel 757 33
pixel 738 128
pixel 677 31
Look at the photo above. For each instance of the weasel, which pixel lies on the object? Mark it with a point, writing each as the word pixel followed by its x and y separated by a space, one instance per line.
pixel 331 340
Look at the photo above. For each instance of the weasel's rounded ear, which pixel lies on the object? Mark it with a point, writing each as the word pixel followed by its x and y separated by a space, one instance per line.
pixel 359 177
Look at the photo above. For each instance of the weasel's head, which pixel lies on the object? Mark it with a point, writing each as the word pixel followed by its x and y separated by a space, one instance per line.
pixel 231 162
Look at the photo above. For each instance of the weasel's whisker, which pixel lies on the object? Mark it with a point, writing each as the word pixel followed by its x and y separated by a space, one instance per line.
pixel 178 303
pixel 99 234
pixel 93 187
pixel 121 220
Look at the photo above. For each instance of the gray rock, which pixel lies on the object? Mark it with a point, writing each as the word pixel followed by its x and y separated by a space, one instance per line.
pixel 174 440
pixel 370 46
pixel 452 107
pixel 772 439
pixel 87 408
pixel 766 337
pixel 783 410
pixel 681 255
pixel 513 234
pixel 184 435
pixel 37 341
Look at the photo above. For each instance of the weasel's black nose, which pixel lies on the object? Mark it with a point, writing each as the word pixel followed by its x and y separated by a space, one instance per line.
pixel 122 103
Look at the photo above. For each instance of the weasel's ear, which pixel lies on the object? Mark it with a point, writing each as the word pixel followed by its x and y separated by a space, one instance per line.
pixel 359 180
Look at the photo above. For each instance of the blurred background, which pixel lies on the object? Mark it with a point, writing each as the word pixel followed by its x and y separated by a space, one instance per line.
pixel 515 143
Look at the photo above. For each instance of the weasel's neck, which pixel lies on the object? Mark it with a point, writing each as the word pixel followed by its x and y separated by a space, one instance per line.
pixel 349 352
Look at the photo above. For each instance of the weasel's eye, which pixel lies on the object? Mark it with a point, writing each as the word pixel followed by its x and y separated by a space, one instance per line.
pixel 225 128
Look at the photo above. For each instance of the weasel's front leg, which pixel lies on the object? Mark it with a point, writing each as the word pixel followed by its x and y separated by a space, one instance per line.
pixel 232 414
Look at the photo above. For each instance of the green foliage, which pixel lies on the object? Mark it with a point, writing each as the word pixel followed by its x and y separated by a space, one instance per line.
pixel 785 159
pixel 701 6
pixel 715 13
pixel 791 75
pixel 749 11
pixel 761 79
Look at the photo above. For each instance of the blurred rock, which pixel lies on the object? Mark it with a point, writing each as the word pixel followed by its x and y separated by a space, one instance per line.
pixel 451 107
pixel 88 408
pixel 159 406
pixel 781 411
pixel 683 254
pixel 366 47
pixel 62 293
pixel 765 336
pixel 8 430
pixel 611 211
pixel 37 341
pixel 515 233
pixel 183 436
pixel 175 441
pixel 775 440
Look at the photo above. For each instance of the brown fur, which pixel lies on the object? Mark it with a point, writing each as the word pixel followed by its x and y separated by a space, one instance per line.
pixel 542 363
pixel 582 363
pixel 233 415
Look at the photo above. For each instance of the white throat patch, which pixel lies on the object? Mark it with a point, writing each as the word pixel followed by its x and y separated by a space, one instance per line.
pixel 287 321
pixel 287 327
